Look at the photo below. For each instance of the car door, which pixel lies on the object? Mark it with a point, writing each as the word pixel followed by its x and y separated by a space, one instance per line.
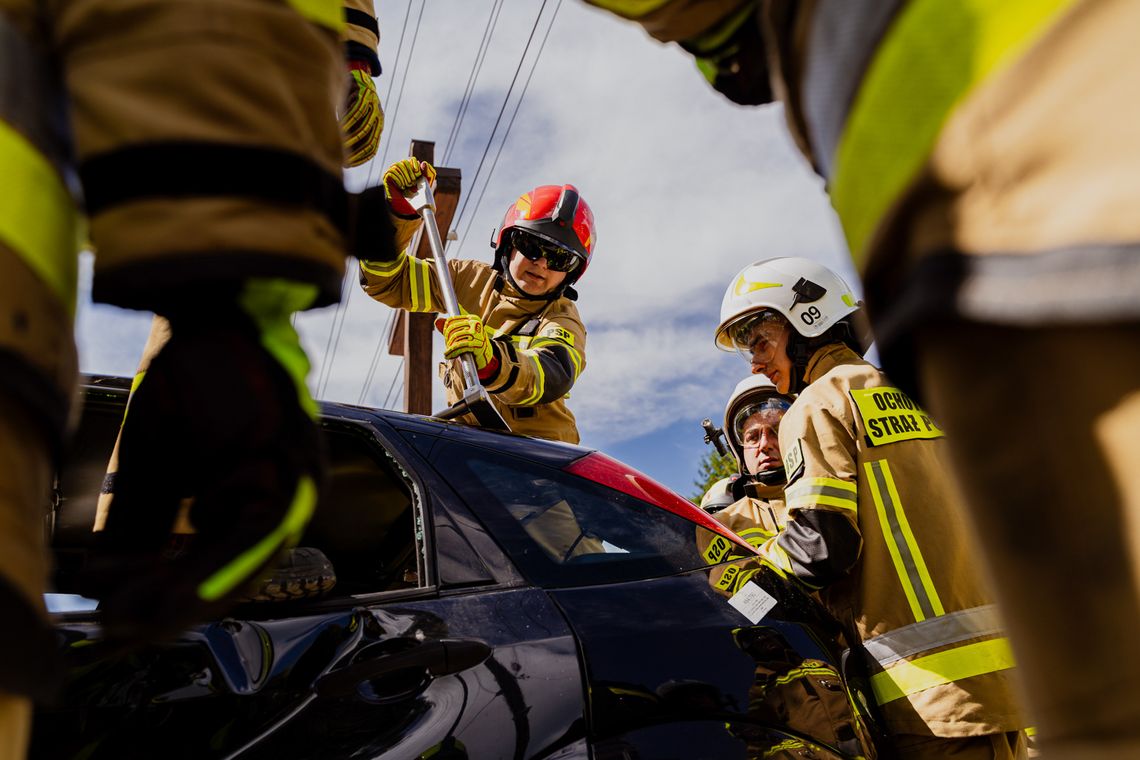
pixel 673 669
pixel 427 651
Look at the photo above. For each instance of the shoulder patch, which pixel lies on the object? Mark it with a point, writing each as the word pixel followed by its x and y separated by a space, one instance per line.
pixel 558 333
pixel 890 416
pixel 794 462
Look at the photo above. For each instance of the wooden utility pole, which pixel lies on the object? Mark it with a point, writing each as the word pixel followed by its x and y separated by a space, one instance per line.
pixel 411 333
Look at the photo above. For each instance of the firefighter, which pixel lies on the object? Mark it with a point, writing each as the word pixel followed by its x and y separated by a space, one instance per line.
pixel 755 494
pixel 991 218
pixel 361 120
pixel 871 523
pixel 719 495
pixel 214 200
pixel 520 320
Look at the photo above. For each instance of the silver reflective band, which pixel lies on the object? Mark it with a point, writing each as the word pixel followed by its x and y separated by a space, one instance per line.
pixel 934 632
pixel 31 99
pixel 841 43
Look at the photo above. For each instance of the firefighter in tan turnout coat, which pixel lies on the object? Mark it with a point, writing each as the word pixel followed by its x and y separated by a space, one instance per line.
pixel 519 317
pixel 871 523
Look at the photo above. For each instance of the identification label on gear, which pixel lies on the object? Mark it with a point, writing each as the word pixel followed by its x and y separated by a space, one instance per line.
pixel 794 462
pixel 559 333
pixel 753 602
pixel 890 416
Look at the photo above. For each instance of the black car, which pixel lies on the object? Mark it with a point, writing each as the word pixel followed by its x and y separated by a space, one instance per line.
pixel 497 597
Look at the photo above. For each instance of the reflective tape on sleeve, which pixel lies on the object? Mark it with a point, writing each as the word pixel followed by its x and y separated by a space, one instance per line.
pixel 912 676
pixel 809 493
pixel 287 533
pixel 38 218
pixel 385 268
pixel 539 382
pixel 420 283
pixel 327 13
pixel 934 53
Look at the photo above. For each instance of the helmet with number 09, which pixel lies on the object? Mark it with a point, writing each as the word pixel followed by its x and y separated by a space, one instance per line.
pixel 811 297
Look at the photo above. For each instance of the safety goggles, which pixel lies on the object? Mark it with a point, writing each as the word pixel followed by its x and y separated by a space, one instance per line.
pixel 772 409
pixel 558 259
pixel 756 337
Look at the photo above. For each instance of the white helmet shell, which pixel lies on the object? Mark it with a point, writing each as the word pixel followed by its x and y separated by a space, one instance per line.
pixel 809 295
pixel 751 390
pixel 718 496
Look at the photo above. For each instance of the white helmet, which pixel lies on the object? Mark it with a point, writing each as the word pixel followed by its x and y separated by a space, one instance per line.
pixel 719 495
pixel 809 295
pixel 755 393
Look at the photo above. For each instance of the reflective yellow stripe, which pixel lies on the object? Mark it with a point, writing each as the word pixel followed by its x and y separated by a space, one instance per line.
pixel 385 268
pixel 904 550
pixel 271 303
pixel 327 13
pixel 420 271
pixel 575 357
pixel 38 218
pixel 539 382
pixel 808 493
pixel 759 534
pixel 786 746
pixel 286 534
pixel 777 557
pixel 909 677
pixel 630 8
pixel 935 52
pixel 814 669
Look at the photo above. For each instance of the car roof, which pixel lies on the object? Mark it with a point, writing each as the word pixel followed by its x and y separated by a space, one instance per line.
pixel 554 453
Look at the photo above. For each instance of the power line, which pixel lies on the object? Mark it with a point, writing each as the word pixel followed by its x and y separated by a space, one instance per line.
pixel 404 79
pixel 395 377
pixel 326 358
pixel 391 81
pixel 511 123
pixel 341 308
pixel 506 99
pixel 371 375
pixel 342 311
pixel 480 56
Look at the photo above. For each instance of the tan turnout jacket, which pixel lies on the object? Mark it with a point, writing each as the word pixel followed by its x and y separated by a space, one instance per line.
pixel 541 344
pixel 872 524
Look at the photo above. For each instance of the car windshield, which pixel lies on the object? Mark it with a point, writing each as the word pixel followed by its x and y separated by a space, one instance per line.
pixel 564 530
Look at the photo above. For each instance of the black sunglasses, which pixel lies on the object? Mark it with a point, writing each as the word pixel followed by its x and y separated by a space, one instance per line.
pixel 558 259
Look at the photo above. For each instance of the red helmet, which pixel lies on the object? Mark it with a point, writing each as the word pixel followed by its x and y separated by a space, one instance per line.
pixel 555 213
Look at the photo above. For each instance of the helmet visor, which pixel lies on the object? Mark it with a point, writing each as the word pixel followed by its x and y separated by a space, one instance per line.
pixel 772 411
pixel 558 259
pixel 756 337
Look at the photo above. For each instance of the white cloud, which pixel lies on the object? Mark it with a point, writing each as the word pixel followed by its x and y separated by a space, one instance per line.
pixel 686 188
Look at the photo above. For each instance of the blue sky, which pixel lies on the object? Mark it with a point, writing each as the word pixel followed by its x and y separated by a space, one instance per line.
pixel 686 189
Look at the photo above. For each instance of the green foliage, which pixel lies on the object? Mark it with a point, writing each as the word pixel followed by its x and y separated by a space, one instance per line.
pixel 712 468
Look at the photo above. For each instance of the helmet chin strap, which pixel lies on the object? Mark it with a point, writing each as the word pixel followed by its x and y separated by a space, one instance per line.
pixel 800 352
pixel 774 477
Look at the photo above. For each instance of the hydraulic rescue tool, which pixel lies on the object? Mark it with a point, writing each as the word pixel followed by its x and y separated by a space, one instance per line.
pixel 475 400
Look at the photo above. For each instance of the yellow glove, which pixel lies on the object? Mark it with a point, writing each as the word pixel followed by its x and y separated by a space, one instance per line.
pixel 362 120
pixel 402 177
pixel 466 335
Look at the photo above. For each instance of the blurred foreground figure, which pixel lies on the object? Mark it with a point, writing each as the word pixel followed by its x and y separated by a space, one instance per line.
pixel 203 145
pixel 983 161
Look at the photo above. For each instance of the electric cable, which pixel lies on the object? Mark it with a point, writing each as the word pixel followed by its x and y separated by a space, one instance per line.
pixel 480 57
pixel 499 118
pixel 392 386
pixel 510 123
pixel 392 81
pixel 372 367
